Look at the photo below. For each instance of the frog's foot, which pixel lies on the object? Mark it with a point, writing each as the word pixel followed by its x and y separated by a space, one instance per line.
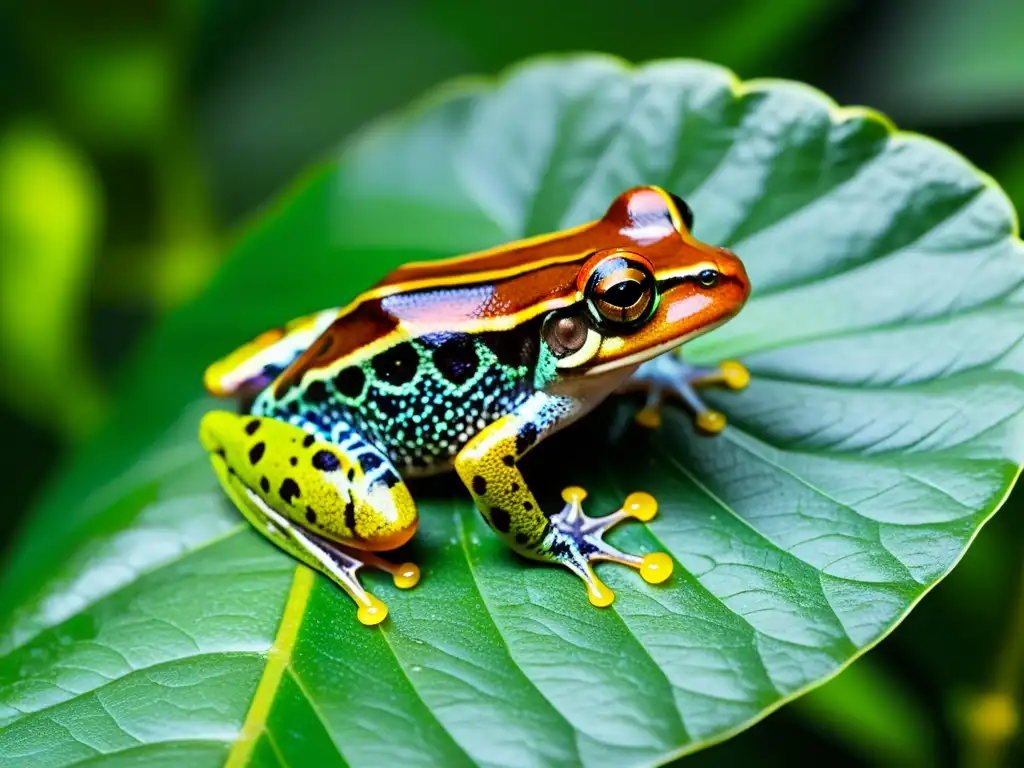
pixel 667 376
pixel 340 564
pixel 576 541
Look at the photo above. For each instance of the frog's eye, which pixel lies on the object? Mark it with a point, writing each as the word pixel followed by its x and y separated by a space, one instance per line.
pixel 685 212
pixel 621 290
pixel 708 277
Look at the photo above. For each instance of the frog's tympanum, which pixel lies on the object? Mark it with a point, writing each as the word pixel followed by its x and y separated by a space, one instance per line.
pixel 466 364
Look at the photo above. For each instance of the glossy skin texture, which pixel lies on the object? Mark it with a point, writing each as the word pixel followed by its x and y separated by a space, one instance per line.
pixel 468 363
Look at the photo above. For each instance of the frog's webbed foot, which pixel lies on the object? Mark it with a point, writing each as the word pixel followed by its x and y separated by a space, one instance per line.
pixel 668 376
pixel 576 540
pixel 340 564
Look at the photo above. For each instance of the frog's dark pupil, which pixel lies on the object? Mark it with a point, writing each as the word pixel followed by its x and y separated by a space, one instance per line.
pixel 685 212
pixel 624 294
pixel 708 277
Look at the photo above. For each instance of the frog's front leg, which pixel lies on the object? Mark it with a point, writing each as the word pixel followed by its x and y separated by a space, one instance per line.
pixel 328 505
pixel 669 376
pixel 488 465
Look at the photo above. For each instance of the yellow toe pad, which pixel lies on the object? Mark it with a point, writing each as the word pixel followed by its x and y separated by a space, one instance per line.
pixel 711 421
pixel 373 613
pixel 407 576
pixel 656 567
pixel 734 374
pixel 641 505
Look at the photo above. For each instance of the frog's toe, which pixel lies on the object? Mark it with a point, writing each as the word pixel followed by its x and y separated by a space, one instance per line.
pixel 576 540
pixel 343 569
pixel 403 575
pixel 338 563
pixel 733 374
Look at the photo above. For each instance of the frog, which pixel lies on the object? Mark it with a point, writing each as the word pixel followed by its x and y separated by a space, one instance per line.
pixel 464 365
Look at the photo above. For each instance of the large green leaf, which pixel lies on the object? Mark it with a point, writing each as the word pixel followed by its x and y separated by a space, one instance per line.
pixel 882 428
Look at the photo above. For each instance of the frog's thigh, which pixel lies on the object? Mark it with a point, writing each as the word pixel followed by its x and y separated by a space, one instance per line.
pixel 320 502
pixel 256 363
pixel 488 465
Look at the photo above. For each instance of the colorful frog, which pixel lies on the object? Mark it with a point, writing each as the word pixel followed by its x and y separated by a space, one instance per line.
pixel 466 364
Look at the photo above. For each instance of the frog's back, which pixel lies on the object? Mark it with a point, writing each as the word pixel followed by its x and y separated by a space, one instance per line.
pixel 452 310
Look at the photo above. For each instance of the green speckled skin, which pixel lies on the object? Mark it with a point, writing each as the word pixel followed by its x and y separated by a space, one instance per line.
pixel 421 400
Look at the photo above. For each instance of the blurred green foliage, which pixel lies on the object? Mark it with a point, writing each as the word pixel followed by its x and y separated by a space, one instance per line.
pixel 135 135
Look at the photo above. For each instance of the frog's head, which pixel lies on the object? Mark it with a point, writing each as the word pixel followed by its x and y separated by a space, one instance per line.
pixel 642 298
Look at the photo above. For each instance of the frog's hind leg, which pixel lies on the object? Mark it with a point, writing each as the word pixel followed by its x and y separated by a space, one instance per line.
pixel 488 465
pixel 320 554
pixel 255 364
pixel 328 505
pixel 668 376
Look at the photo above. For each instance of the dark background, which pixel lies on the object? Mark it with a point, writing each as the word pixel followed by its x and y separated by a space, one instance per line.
pixel 136 136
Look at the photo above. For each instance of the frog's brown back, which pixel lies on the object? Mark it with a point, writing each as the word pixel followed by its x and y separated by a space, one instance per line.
pixel 492 290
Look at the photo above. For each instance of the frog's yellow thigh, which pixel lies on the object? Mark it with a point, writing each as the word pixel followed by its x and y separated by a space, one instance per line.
pixel 328 505
pixel 488 465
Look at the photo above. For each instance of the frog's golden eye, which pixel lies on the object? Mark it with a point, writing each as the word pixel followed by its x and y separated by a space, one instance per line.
pixel 621 290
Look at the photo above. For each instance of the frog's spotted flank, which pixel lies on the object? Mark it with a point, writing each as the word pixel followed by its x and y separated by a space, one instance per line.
pixel 256 453
pixel 289 490
pixel 317 392
pixel 350 382
pixel 456 359
pixel 500 519
pixel 350 516
pixel 398 365
pixel 467 363
pixel 326 461
pixel 526 438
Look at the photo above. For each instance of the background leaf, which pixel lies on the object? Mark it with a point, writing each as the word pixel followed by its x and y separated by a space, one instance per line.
pixel 938 64
pixel 49 216
pixel 881 430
